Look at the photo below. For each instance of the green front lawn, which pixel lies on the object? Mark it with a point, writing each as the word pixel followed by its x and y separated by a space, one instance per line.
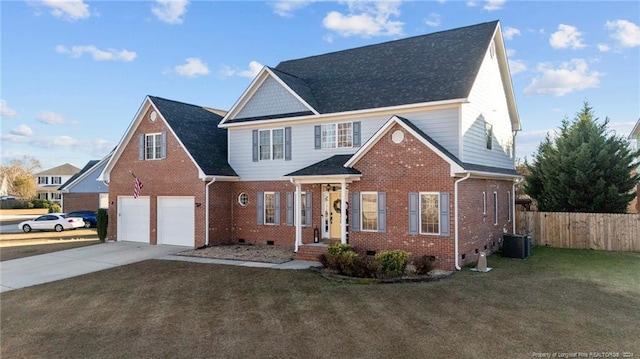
pixel 557 301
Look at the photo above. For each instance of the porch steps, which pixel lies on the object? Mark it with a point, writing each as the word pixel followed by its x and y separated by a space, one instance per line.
pixel 310 252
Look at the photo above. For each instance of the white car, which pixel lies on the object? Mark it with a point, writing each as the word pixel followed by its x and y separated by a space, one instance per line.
pixel 52 221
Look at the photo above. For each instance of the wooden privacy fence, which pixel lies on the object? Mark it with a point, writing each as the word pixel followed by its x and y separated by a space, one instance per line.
pixel 603 231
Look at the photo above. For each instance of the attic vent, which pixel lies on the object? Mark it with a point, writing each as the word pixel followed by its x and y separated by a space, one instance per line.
pixel 492 49
pixel 397 136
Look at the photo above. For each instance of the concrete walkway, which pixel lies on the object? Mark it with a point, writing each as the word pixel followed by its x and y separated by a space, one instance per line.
pixel 44 268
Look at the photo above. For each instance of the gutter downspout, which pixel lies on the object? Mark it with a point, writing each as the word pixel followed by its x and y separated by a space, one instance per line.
pixel 206 216
pixel 457 264
pixel 297 216
pixel 513 204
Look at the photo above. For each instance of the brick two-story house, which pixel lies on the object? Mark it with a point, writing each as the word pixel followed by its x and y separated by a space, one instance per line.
pixel 407 144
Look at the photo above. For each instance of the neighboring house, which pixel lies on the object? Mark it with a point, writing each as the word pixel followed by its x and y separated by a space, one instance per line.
pixel 179 155
pixel 83 191
pixel 407 144
pixel 634 136
pixel 48 182
pixel 4 187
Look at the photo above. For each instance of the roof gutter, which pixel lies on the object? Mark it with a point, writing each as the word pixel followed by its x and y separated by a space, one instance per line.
pixel 206 215
pixel 456 236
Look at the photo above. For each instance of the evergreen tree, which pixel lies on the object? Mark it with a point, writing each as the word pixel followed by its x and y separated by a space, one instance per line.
pixel 585 168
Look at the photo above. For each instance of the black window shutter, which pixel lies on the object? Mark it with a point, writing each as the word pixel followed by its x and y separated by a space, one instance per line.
pixel 382 211
pixel 287 143
pixel 317 137
pixel 255 145
pixel 141 146
pixel 445 222
pixel 414 205
pixel 354 206
pixel 260 208
pixel 356 134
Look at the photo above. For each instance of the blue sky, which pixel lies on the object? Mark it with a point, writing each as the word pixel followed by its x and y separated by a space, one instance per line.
pixel 74 73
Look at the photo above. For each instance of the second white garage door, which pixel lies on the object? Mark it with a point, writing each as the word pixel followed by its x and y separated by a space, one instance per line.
pixel 176 221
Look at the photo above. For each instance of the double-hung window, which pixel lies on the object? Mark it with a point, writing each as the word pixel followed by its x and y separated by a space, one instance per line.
pixel 153 146
pixel 429 213
pixel 43 180
pixel 369 207
pixel 271 144
pixel 56 180
pixel 269 208
pixel 337 135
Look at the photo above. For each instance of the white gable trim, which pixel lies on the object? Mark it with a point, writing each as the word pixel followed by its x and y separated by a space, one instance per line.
pixel 86 174
pixel 507 84
pixel 635 131
pixel 146 104
pixel 253 87
pixel 454 167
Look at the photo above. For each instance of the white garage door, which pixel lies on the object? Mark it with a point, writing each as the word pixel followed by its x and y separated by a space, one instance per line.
pixel 133 219
pixel 176 221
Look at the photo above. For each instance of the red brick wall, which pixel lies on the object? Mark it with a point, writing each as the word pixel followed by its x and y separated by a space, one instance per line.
pixel 398 169
pixel 477 231
pixel 220 213
pixel 80 201
pixel 176 175
pixel 245 221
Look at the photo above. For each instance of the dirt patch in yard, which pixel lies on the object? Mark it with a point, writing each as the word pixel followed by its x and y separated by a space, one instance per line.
pixel 239 252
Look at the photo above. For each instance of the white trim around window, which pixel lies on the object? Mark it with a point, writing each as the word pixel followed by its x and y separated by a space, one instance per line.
pixel 484 202
pixel 269 208
pixel 369 211
pixel 271 144
pixel 153 146
pixel 429 213
pixel 495 208
pixel 337 135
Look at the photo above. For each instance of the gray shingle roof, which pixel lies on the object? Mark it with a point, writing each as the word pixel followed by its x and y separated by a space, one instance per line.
pixel 62 170
pixel 198 130
pixel 426 68
pixel 331 166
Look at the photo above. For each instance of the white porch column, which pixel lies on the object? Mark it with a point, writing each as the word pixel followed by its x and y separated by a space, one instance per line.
pixel 343 215
pixel 298 215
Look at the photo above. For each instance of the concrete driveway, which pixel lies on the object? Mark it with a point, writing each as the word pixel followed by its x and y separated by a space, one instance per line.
pixel 25 272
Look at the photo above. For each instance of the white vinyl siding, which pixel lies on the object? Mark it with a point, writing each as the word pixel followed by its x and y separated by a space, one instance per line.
pixel 89 184
pixel 271 99
pixel 487 105
pixel 440 124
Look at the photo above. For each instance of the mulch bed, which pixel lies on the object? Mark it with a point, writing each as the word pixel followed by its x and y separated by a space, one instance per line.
pixel 434 275
pixel 243 252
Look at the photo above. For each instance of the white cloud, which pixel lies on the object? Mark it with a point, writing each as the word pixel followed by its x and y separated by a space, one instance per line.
pixel 511 52
pixel 68 9
pixel 95 147
pixel 472 3
pixel 170 11
pixel 604 47
pixel 97 54
pixel 566 36
pixel 569 77
pixel 366 19
pixel 510 32
pixel 251 72
pixel 492 5
pixel 193 67
pixel 22 130
pixel 434 20
pixel 5 111
pixel 51 118
pixel 328 38
pixel 626 33
pixel 288 7
pixel 517 66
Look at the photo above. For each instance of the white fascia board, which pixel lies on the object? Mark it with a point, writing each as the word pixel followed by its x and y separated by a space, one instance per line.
pixel 489 175
pixel 295 94
pixel 507 83
pixel 325 179
pixel 221 178
pixel 105 175
pixel 384 129
pixel 246 95
pixel 347 114
pixel 635 132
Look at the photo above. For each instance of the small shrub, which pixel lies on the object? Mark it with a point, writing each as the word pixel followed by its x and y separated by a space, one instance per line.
pixel 41 203
pixel 366 267
pixel 29 205
pixel 424 264
pixel 392 263
pixel 102 225
pixel 55 208
pixel 339 248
